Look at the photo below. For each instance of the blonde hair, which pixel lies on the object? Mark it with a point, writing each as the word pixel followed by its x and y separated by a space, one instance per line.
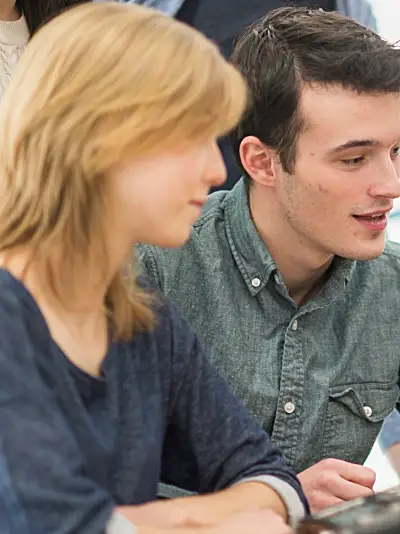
pixel 100 83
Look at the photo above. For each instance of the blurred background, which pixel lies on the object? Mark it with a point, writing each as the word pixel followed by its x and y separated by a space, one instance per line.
pixel 387 13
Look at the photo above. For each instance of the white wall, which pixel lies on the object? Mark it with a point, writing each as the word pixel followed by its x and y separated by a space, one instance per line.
pixel 387 13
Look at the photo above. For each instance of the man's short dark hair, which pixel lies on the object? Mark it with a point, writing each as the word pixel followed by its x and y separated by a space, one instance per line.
pixel 293 46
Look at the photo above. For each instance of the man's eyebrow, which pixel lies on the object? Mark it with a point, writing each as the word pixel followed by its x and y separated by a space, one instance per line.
pixel 354 143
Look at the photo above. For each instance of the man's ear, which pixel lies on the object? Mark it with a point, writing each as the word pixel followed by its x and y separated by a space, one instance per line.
pixel 258 160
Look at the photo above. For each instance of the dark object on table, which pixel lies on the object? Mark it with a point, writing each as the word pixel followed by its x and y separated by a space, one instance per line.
pixel 378 514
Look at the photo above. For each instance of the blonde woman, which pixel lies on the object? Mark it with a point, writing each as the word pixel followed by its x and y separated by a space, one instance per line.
pixel 108 137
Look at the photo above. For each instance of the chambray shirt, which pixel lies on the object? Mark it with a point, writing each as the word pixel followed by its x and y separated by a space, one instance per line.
pixel 320 378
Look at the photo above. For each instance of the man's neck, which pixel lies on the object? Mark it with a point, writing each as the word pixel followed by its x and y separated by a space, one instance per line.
pixel 9 11
pixel 303 269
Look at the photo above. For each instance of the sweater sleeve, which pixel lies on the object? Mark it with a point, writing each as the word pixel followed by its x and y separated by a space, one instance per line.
pixel 212 442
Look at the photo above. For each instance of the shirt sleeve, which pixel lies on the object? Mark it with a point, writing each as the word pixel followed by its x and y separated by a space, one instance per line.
pixel 43 485
pixel 212 442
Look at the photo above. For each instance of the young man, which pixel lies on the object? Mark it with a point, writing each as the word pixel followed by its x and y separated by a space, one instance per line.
pixel 287 277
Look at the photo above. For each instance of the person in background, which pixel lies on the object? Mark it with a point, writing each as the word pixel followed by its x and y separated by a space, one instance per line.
pixel 389 439
pixel 104 388
pixel 223 20
pixel 287 277
pixel 18 21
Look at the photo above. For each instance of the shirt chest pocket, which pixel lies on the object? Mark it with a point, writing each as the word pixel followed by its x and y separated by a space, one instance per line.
pixel 353 419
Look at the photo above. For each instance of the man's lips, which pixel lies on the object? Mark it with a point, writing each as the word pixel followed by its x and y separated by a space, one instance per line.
pixel 375 213
pixel 376 221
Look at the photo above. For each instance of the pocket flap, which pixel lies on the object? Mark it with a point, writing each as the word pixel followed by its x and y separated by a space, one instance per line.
pixel 371 401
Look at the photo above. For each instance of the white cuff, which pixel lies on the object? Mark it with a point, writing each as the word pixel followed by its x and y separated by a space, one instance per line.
pixel 118 524
pixel 287 493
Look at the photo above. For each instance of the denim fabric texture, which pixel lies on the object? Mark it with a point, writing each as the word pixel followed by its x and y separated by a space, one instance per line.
pixel 320 379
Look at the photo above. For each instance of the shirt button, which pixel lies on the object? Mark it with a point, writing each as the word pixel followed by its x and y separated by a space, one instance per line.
pixel 256 282
pixel 368 411
pixel 294 325
pixel 289 407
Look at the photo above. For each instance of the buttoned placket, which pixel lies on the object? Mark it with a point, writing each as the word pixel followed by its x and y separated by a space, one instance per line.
pixel 289 413
pixel 290 399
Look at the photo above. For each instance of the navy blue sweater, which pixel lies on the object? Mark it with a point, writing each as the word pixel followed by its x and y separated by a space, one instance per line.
pixel 73 446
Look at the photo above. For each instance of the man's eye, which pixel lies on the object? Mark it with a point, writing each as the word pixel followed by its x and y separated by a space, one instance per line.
pixel 396 151
pixel 354 161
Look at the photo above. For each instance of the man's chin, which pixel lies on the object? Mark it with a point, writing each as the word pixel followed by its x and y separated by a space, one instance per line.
pixel 365 253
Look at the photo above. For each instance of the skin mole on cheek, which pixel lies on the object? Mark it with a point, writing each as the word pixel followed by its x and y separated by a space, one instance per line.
pixel 322 189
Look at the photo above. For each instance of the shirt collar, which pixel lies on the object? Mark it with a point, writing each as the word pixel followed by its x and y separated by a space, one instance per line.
pixel 252 256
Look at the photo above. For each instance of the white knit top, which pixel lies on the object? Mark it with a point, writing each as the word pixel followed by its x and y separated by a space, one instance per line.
pixel 13 39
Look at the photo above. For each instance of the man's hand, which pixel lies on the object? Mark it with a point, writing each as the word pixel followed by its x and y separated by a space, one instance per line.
pixel 330 482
